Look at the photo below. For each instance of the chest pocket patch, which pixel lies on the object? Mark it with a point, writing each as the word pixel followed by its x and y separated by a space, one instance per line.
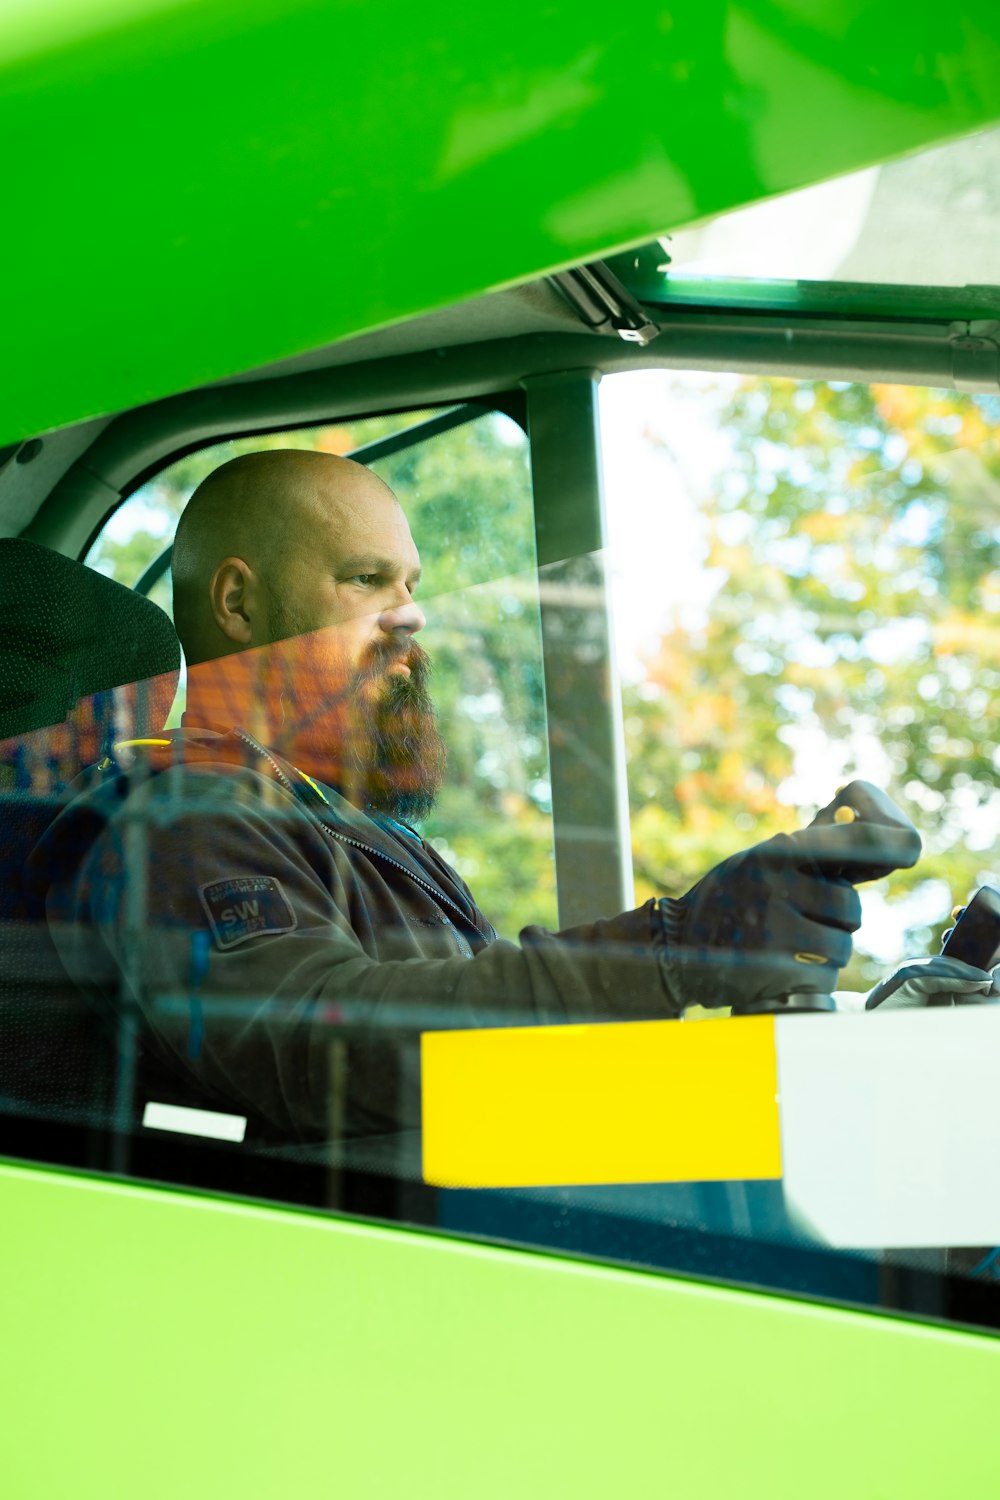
pixel 244 907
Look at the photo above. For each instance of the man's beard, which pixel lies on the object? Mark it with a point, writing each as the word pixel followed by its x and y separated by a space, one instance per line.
pixel 396 757
pixel 378 741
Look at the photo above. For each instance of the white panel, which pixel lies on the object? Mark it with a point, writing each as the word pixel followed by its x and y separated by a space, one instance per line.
pixel 218 1127
pixel 890 1125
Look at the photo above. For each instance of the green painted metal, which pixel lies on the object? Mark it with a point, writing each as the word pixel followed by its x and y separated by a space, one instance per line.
pixel 209 1348
pixel 196 188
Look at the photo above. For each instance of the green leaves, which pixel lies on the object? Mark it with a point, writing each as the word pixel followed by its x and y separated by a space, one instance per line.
pixel 856 536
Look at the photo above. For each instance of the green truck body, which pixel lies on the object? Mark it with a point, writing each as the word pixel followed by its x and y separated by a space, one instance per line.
pixel 195 190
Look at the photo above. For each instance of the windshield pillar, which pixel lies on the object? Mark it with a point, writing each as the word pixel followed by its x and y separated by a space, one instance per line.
pixel 583 700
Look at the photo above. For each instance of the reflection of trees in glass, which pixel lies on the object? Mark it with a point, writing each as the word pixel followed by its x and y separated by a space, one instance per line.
pixel 855 538
pixel 468 498
pixel 467 494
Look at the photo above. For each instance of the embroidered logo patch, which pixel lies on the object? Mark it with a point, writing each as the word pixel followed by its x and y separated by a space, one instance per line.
pixel 247 906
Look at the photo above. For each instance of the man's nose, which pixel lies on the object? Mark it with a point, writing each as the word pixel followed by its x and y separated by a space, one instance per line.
pixel 402 619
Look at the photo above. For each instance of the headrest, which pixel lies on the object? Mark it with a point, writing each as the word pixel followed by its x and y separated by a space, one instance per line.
pixel 69 634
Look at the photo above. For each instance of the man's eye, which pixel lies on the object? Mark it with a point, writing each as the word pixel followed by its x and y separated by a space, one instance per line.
pixel 365 579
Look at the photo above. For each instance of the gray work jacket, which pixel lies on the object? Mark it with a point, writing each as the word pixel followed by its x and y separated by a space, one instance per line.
pixel 268 935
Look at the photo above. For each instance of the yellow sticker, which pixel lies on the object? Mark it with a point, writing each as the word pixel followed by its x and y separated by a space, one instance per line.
pixel 638 1101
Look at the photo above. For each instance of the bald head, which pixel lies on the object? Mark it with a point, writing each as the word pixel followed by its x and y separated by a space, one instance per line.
pixel 245 541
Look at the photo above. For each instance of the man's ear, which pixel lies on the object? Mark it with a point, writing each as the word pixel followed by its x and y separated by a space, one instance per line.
pixel 233 598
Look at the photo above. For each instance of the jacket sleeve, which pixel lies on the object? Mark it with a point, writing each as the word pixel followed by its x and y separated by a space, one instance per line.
pixel 233 926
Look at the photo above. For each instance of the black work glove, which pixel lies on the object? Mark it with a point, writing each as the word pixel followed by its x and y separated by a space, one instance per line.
pixel 776 920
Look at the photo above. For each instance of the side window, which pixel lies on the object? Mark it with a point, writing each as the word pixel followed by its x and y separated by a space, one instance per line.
pixel 807 590
pixel 466 492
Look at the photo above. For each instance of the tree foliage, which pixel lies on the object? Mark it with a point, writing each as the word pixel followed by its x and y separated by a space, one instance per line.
pixel 854 541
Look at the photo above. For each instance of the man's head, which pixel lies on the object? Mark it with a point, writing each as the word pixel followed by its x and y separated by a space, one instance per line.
pixel 308 561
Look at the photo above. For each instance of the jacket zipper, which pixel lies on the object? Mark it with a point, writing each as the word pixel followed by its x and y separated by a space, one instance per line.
pixel 344 838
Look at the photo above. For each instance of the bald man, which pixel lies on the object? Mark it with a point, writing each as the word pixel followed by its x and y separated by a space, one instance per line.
pixel 279 895
pixel 294 582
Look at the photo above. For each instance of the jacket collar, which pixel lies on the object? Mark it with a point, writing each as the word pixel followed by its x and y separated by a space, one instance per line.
pixel 324 802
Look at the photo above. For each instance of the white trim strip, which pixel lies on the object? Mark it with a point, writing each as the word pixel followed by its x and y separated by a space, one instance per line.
pixel 890 1125
pixel 206 1122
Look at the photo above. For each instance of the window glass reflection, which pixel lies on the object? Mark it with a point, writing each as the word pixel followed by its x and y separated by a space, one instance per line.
pixel 806 584
pixel 243 921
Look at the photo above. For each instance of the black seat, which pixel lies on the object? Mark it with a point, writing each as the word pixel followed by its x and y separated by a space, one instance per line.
pixel 83 662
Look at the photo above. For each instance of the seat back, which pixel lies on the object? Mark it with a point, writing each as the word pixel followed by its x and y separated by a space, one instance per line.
pixel 83 662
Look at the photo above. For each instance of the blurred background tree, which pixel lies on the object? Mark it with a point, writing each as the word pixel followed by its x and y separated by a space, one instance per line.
pixel 853 539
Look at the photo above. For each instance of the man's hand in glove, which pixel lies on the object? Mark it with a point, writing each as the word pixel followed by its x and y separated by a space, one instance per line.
pixel 921 982
pixel 777 919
